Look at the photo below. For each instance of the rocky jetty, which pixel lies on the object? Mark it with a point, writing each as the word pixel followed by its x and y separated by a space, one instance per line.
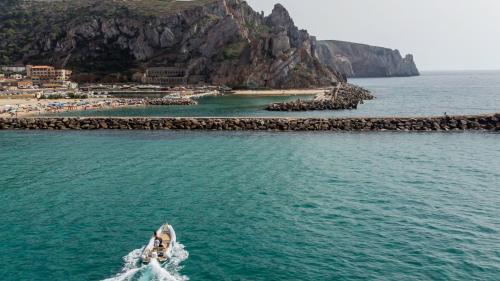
pixel 344 96
pixel 360 60
pixel 419 124
pixel 224 41
pixel 170 101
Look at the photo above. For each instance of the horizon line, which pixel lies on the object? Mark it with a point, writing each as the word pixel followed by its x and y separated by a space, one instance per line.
pixel 461 69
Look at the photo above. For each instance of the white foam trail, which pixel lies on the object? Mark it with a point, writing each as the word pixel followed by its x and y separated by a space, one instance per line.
pixel 179 254
pixel 124 276
pixel 130 267
pixel 133 270
pixel 161 273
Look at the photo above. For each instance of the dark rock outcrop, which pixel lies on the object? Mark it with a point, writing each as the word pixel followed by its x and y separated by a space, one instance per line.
pixel 419 124
pixel 223 40
pixel 359 60
pixel 170 101
pixel 344 96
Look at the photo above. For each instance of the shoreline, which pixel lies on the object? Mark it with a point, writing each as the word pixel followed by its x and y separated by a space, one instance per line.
pixel 32 107
pixel 487 122
pixel 277 92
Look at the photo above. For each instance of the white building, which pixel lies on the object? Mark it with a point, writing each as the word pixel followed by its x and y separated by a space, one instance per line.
pixel 16 76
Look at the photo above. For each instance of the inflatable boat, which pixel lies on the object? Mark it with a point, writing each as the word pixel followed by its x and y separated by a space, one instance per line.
pixel 160 245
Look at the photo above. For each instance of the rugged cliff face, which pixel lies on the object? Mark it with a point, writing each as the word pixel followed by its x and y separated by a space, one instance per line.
pixel 224 40
pixel 359 60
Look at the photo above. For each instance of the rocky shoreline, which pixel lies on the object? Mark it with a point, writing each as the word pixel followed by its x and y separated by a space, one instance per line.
pixel 344 96
pixel 489 122
pixel 169 101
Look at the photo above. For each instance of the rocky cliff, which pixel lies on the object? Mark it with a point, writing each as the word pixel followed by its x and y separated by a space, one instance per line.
pixel 359 60
pixel 117 40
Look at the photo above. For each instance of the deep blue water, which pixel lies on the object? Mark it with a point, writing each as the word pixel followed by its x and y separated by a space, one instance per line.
pixel 251 206
pixel 433 93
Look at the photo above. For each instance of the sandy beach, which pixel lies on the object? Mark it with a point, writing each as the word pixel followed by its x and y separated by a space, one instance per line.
pixel 34 107
pixel 288 92
pixel 29 106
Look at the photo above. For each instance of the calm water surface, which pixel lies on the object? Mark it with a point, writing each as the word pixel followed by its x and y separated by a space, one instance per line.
pixel 262 206
pixel 251 206
pixel 433 93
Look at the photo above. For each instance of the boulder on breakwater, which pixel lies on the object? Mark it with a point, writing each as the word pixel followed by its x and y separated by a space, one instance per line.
pixel 344 96
pixel 170 101
pixel 442 123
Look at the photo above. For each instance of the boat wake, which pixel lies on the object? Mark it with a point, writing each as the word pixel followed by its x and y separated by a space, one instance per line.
pixel 134 270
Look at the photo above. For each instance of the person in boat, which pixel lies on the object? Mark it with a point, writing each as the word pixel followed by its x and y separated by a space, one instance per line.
pixel 158 240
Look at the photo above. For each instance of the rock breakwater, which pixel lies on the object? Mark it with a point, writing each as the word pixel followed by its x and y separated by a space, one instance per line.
pixel 443 123
pixel 168 101
pixel 344 96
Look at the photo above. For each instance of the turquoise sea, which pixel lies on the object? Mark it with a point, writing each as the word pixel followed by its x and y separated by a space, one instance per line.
pixel 255 206
pixel 433 93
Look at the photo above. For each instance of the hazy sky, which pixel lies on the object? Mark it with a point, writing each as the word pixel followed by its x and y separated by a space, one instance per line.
pixel 442 34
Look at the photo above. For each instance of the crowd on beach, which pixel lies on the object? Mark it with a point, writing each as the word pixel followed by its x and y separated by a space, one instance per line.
pixel 30 107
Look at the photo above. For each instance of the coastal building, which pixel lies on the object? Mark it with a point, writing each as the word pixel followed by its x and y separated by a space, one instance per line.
pixel 50 86
pixel 62 75
pixel 5 83
pixel 13 84
pixel 44 74
pixel 13 69
pixel 24 84
pixel 171 76
pixel 168 76
pixel 8 85
pixel 197 79
pixel 16 76
pixel 166 72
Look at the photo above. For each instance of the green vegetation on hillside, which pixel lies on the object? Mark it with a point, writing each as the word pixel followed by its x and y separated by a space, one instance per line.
pixel 160 7
pixel 258 30
pixel 140 7
pixel 23 22
pixel 234 51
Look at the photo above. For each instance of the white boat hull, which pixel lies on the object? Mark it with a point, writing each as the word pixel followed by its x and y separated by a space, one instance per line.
pixel 161 254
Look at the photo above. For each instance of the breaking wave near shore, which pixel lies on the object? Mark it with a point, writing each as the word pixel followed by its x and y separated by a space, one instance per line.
pixel 134 270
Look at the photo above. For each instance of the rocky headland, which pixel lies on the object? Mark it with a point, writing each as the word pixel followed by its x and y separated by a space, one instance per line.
pixel 489 122
pixel 360 60
pixel 344 96
pixel 224 41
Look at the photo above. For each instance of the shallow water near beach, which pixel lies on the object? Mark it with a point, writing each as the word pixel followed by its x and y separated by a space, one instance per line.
pixel 251 206
pixel 433 93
